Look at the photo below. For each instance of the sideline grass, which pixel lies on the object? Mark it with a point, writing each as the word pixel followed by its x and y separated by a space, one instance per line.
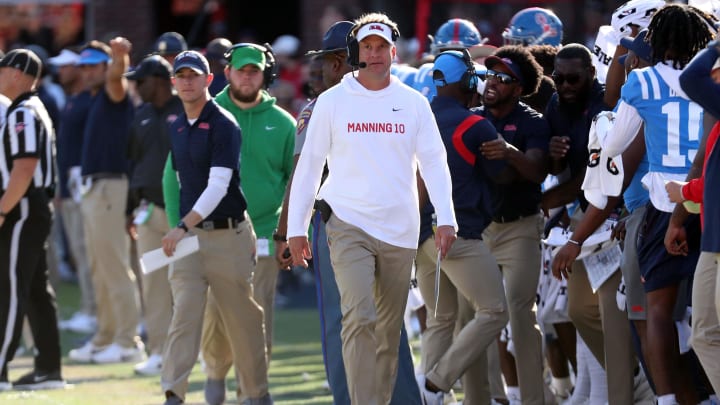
pixel 296 370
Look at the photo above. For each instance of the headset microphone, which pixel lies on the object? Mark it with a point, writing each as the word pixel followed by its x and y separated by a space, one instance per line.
pixel 362 65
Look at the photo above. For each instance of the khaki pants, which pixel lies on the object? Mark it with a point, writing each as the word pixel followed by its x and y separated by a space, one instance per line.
pixel 108 247
pixel 468 269
pixel 373 278
pixel 706 306
pixel 605 329
pixel 73 223
pixel 516 247
pixel 225 263
pixel 155 286
pixel 215 345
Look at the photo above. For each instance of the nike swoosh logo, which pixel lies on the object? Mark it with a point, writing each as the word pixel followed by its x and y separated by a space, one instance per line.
pixel 145 121
pixel 396 109
pixel 269 128
pixel 39 378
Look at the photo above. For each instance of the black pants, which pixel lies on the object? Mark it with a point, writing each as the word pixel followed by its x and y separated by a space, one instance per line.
pixel 24 286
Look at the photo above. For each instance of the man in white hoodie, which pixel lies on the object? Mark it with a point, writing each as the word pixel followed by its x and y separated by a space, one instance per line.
pixel 370 200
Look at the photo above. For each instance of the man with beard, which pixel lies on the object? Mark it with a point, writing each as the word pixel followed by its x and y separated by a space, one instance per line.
pixel 513 236
pixel 578 99
pixel 268 134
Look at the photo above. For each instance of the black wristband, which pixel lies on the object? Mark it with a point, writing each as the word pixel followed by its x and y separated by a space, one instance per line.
pixel 182 226
pixel 277 237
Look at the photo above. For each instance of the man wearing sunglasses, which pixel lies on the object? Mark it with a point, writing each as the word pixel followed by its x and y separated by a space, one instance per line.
pixel 513 236
pixel 578 99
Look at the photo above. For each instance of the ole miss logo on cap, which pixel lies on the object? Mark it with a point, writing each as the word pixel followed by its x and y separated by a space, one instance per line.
pixel 377 27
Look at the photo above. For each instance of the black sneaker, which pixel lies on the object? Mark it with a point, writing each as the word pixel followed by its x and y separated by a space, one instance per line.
pixel 39 381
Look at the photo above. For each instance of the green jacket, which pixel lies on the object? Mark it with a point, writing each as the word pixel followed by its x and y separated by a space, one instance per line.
pixel 266 156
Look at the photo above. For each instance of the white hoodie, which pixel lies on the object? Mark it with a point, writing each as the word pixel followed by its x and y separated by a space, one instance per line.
pixel 374 141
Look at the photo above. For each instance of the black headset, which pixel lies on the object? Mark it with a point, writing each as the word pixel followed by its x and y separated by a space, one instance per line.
pixel 469 79
pixel 353 47
pixel 270 73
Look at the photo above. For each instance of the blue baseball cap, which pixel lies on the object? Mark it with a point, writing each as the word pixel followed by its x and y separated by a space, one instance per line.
pixel 638 45
pixel 514 68
pixel 193 60
pixel 92 56
pixel 335 39
pixel 170 43
pixel 451 64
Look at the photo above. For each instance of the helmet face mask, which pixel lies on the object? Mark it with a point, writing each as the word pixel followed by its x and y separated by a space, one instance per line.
pixel 636 12
pixel 456 34
pixel 534 26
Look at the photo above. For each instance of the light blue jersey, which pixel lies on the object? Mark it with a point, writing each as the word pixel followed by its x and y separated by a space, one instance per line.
pixel 673 123
pixel 424 81
pixel 405 73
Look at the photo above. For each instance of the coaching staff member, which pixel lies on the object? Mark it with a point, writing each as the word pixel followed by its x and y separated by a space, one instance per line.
pixel 205 143
pixel 26 172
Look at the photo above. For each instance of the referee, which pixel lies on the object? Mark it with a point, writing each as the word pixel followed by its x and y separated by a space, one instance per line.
pixel 26 172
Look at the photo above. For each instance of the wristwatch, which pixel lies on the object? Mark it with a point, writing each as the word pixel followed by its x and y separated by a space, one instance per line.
pixel 182 226
pixel 278 237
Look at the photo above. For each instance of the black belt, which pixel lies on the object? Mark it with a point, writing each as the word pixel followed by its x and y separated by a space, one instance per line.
pixel 213 224
pixel 324 208
pixel 503 219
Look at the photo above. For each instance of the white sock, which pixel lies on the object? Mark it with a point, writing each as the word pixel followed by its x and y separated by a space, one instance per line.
pixel 668 399
pixel 561 386
pixel 513 393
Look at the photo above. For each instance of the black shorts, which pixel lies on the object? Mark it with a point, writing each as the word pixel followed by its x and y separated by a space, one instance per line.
pixel 658 268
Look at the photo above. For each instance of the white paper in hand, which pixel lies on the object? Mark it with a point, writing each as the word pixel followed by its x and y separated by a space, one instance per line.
pixel 155 259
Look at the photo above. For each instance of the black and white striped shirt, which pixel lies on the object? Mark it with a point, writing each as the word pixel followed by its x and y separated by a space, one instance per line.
pixel 27 132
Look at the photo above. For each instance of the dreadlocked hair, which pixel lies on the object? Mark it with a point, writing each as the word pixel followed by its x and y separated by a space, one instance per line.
pixel 677 32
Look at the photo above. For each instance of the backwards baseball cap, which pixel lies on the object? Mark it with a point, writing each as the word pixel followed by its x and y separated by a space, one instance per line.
pixel 638 45
pixel 247 55
pixel 170 43
pixel 66 57
pixel 193 60
pixel 375 28
pixel 92 56
pixel 23 60
pixel 153 65
pixel 335 39
pixel 513 67
pixel 451 64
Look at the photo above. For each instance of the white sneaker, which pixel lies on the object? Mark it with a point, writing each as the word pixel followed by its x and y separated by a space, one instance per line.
pixel 84 353
pixel 642 393
pixel 80 322
pixel 118 354
pixel 152 366
pixel 428 397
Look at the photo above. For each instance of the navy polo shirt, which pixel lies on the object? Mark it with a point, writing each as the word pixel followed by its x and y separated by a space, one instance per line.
pixel 470 172
pixel 69 141
pixel 212 141
pixel 106 135
pixel 576 125
pixel 525 129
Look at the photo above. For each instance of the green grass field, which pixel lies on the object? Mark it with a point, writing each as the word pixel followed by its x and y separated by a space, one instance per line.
pixel 296 370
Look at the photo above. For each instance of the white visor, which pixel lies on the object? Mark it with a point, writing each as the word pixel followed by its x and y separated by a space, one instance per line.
pixel 379 29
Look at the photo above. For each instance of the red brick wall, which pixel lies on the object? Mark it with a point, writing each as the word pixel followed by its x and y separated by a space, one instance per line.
pixel 132 19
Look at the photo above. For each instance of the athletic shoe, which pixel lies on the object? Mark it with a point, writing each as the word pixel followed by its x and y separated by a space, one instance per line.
pixel 85 353
pixel 153 366
pixel 80 322
pixel 642 393
pixel 173 400
pixel 5 386
pixel 214 391
pixel 39 381
pixel 428 397
pixel 118 354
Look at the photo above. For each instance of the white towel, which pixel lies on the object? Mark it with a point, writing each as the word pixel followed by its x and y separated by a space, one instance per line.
pixel 603 176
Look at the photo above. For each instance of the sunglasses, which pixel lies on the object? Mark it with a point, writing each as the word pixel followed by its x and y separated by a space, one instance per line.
pixel 503 78
pixel 571 79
